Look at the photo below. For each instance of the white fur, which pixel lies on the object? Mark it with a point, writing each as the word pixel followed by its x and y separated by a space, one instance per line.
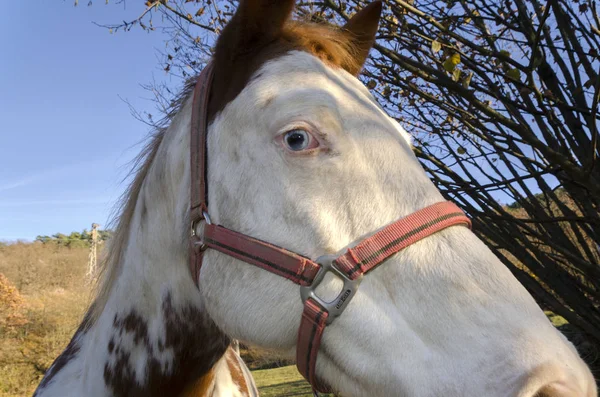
pixel 443 317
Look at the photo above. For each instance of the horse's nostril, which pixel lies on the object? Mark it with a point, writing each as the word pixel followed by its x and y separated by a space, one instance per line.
pixel 559 389
pixel 554 380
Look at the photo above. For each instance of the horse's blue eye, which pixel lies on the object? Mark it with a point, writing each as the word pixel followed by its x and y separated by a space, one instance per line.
pixel 296 140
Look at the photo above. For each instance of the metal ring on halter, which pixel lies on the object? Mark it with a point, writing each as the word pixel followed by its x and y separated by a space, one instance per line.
pixel 199 243
pixel 339 304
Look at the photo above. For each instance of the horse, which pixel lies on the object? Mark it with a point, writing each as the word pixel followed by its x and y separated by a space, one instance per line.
pixel 308 226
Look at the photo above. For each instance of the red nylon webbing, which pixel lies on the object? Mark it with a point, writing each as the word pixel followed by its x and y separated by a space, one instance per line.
pixel 399 235
pixel 280 261
pixel 309 340
pixel 198 190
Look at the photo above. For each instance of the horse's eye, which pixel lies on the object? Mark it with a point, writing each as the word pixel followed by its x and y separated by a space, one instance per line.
pixel 297 140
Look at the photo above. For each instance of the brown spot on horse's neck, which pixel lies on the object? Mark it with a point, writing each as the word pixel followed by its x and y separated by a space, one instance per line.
pixel 189 348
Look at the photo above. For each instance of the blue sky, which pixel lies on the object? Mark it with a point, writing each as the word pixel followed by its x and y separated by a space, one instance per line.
pixel 66 134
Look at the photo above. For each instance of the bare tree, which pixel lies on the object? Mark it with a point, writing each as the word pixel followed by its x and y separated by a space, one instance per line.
pixel 502 98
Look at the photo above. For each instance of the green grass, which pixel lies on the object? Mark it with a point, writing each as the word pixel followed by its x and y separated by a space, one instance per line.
pixel 282 382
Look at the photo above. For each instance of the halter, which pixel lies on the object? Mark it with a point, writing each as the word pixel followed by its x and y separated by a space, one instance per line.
pixel 307 273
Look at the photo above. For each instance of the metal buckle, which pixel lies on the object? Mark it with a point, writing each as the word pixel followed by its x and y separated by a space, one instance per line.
pixel 199 243
pixel 337 306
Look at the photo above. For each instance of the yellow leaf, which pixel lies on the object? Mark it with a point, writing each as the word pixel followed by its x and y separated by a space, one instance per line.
pixel 436 46
pixel 451 62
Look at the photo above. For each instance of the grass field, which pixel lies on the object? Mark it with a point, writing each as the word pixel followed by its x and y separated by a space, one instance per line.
pixel 282 382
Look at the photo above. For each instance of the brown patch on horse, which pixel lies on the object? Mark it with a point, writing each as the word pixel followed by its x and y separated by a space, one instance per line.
pixel 201 387
pixel 204 386
pixel 261 31
pixel 194 340
pixel 234 365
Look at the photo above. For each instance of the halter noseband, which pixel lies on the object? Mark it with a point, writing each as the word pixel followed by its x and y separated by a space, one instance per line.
pixel 350 267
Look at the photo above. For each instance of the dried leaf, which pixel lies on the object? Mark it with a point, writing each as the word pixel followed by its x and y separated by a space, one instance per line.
pixel 514 74
pixel 467 80
pixel 461 150
pixel 371 84
pixel 387 91
pixel 456 75
pixel 200 11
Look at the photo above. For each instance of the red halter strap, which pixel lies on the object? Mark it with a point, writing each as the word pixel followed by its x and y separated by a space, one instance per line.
pixel 350 266
pixel 199 192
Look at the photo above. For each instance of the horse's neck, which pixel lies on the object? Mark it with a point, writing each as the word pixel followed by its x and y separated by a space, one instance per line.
pixel 151 336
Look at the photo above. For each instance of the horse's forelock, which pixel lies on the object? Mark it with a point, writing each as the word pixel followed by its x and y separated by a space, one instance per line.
pixel 238 58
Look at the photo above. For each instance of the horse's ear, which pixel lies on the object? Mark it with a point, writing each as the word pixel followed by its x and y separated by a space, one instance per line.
pixel 362 28
pixel 255 23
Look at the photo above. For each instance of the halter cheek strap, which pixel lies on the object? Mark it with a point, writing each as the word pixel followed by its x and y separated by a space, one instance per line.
pixel 350 267
pixel 199 192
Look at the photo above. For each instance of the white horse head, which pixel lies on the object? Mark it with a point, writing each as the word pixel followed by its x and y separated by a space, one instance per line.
pixel 444 316
pixel 301 155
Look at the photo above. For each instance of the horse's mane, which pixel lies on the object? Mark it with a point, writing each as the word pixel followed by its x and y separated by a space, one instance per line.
pixel 124 209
